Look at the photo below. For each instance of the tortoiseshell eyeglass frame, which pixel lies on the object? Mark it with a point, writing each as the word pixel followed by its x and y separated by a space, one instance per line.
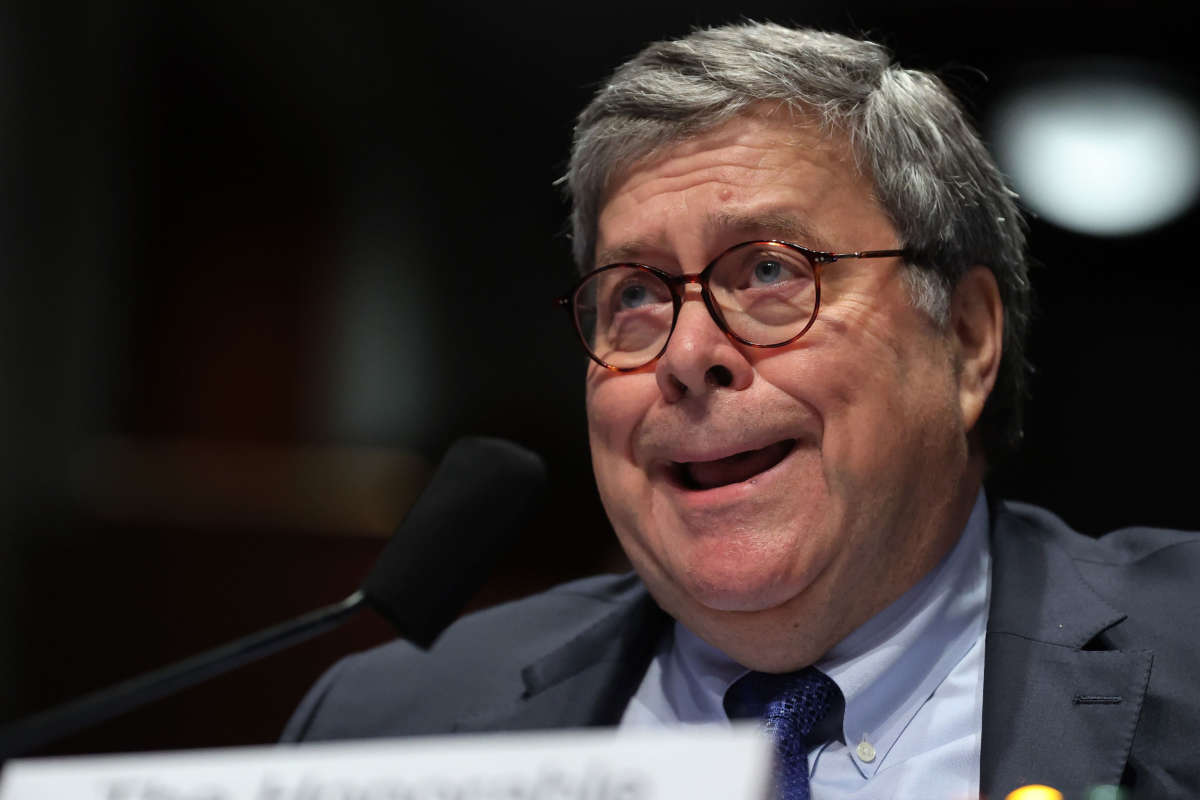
pixel 677 284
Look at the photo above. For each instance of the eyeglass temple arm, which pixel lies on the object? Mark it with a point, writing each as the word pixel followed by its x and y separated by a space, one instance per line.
pixel 869 254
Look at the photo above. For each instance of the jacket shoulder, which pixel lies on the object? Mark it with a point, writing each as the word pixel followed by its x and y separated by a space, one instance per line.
pixel 1123 547
pixel 1146 575
pixel 397 689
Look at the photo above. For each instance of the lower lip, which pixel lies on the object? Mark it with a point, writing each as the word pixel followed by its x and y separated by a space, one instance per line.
pixel 731 492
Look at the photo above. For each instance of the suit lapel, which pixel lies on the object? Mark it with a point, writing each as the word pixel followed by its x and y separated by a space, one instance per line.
pixel 586 680
pixel 1053 712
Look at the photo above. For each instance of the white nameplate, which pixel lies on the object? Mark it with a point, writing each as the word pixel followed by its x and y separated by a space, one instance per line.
pixel 684 764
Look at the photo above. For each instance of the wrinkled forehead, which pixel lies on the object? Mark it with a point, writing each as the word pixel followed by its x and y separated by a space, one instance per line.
pixel 798 128
pixel 757 160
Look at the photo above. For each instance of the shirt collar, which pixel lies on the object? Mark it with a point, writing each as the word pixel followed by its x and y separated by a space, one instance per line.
pixel 889 666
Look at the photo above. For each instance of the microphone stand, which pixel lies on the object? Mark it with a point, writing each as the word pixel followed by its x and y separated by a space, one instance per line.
pixel 32 732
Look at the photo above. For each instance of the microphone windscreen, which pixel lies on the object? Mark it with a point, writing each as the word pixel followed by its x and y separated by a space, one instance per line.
pixel 481 495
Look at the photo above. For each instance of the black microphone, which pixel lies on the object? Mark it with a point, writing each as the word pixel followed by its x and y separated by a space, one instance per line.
pixel 481 495
pixel 450 539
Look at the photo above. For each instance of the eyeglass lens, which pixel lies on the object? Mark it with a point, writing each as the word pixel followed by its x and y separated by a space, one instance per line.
pixel 764 292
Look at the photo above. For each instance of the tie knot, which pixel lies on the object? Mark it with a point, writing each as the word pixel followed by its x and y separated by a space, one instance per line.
pixel 791 705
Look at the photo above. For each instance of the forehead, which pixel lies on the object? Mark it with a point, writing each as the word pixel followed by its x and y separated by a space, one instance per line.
pixel 755 176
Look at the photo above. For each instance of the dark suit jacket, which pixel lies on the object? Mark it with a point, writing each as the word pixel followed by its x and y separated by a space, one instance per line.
pixel 1092 667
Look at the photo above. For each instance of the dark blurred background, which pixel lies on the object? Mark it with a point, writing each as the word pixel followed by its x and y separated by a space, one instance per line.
pixel 263 262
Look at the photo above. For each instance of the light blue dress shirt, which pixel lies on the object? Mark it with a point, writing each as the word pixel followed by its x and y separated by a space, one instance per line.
pixel 912 677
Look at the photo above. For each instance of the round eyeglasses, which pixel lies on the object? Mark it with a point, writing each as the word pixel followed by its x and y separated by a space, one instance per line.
pixel 762 294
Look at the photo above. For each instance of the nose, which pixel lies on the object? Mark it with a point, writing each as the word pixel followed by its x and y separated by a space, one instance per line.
pixel 700 358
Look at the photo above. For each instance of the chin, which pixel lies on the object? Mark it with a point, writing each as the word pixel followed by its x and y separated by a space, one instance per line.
pixel 740 590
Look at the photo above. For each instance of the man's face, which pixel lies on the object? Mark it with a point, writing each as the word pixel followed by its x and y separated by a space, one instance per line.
pixel 774 499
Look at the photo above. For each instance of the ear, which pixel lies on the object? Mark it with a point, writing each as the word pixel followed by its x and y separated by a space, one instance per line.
pixel 977 333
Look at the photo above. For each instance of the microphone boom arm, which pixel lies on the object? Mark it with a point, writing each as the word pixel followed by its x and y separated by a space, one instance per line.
pixel 32 732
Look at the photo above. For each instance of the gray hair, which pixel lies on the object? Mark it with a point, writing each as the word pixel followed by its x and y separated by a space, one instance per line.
pixel 932 174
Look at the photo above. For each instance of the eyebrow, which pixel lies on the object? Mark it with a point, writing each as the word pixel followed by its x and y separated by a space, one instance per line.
pixel 772 224
pixel 627 251
pixel 765 224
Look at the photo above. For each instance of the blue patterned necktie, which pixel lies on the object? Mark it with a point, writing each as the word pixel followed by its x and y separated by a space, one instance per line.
pixel 791 706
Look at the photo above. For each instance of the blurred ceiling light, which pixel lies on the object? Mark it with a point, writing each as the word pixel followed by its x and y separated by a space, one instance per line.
pixel 1100 150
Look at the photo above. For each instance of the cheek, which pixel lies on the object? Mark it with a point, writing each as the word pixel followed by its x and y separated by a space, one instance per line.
pixel 860 369
pixel 615 406
pixel 895 423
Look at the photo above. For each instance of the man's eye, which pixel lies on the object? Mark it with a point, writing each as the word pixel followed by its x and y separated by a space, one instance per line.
pixel 769 271
pixel 633 295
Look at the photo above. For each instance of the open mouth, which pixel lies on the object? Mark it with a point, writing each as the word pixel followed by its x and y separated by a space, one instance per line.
pixel 700 475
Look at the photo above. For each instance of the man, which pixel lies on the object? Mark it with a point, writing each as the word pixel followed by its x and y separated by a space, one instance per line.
pixel 805 298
